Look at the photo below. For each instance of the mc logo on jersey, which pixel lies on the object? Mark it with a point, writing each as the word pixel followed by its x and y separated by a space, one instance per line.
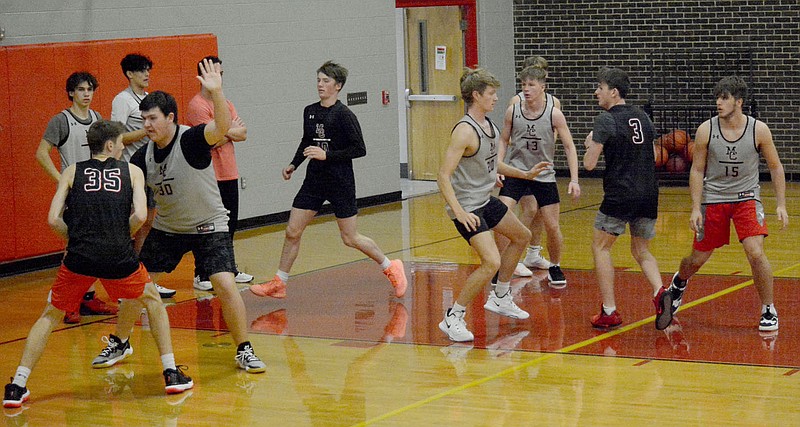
pixel 320 130
pixel 731 153
pixel 531 129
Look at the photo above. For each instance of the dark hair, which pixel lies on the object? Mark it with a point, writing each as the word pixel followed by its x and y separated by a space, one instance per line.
pixel 334 71
pixel 615 78
pixel 135 62
pixel 161 100
pixel 212 58
pixel 734 86
pixel 101 132
pixel 79 77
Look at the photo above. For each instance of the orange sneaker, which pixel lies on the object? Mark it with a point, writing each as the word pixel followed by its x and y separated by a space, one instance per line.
pixel 275 288
pixel 397 275
pixel 606 321
pixel 72 317
pixel 96 306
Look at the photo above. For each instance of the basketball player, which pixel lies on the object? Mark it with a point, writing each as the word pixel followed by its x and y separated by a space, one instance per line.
pixel 723 183
pixel 125 109
pixel 529 131
pixel 191 216
pixel 200 111
pixel 624 134
pixel 66 132
pixel 466 178
pixel 331 140
pixel 533 257
pixel 92 210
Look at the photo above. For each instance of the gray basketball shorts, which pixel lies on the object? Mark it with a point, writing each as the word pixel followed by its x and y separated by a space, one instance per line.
pixel 640 226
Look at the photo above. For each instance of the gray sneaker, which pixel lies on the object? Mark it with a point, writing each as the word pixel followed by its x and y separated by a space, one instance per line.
pixel 115 351
pixel 247 360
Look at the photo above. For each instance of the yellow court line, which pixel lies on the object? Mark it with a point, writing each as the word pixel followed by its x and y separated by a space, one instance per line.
pixel 559 352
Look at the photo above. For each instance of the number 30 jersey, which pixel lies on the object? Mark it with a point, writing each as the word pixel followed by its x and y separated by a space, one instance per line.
pixel 98 208
pixel 731 166
pixel 475 176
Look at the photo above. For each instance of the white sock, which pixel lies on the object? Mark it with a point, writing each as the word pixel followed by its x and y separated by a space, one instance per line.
pixel 609 310
pixel 533 251
pixel 458 307
pixel 386 263
pixel 168 361
pixel 283 276
pixel 21 377
pixel 501 289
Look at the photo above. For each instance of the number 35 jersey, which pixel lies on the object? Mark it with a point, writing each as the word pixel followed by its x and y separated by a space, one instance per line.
pixel 731 166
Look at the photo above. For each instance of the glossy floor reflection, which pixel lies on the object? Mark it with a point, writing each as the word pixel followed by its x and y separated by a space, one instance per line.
pixel 341 350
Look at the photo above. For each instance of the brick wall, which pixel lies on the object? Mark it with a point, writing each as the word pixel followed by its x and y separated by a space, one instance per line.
pixel 756 38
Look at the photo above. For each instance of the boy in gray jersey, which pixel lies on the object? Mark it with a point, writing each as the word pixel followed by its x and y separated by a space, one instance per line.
pixel 125 109
pixel 723 183
pixel 466 179
pixel 624 134
pixel 66 132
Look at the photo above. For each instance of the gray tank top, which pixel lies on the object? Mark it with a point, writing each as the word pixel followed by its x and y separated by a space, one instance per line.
pixel 188 199
pixel 731 166
pixel 475 176
pixel 532 140
pixel 75 148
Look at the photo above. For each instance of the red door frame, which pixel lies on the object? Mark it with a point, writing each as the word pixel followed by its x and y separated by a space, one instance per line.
pixel 471 35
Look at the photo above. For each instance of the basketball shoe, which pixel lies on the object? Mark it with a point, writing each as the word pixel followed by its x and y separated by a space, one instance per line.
pixel 396 274
pixel 663 303
pixel 556 277
pixel 768 322
pixel 676 288
pixel 505 306
pixel 247 360
pixel 115 351
pixel 534 259
pixel 202 284
pixel 275 288
pixel 96 306
pixel 176 382
pixel 455 327
pixel 165 292
pixel 606 321
pixel 522 271
pixel 15 395
pixel 242 277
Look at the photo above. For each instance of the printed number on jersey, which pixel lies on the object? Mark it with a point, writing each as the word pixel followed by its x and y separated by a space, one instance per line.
pixel 636 127
pixel 107 180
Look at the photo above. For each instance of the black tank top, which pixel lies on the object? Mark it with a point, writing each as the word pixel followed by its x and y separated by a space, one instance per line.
pixel 97 214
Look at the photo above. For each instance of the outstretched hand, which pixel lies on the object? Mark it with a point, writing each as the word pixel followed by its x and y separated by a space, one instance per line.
pixel 210 75
pixel 539 168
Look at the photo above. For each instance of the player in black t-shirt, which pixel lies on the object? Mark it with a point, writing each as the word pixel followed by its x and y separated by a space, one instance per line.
pixel 331 140
pixel 625 135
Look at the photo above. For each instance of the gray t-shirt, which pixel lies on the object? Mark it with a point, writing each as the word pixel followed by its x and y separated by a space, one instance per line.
pixel 475 176
pixel 68 134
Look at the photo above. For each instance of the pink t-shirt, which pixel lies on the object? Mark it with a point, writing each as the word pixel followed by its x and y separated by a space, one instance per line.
pixel 200 111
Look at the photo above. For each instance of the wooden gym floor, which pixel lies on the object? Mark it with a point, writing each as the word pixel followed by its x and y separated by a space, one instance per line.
pixel 342 351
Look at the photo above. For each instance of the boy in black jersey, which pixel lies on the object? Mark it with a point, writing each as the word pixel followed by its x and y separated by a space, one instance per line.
pixel 92 209
pixel 625 135
pixel 331 140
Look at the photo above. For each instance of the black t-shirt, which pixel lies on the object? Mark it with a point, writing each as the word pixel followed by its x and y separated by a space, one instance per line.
pixel 98 208
pixel 629 181
pixel 337 131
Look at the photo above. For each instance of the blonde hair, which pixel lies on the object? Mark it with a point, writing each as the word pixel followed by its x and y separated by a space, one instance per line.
pixel 536 61
pixel 532 72
pixel 476 79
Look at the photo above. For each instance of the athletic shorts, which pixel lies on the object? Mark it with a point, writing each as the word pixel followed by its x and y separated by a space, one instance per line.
pixel 213 252
pixel 490 215
pixel 748 219
pixel 68 289
pixel 342 198
pixel 545 193
pixel 640 227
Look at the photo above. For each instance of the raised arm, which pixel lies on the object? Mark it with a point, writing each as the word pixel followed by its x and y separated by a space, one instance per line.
pixel 211 80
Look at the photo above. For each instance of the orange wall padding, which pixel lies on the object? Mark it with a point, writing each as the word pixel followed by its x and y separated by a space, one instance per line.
pixel 32 90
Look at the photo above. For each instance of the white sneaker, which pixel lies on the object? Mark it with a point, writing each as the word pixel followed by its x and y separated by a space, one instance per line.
pixel 522 271
pixel 455 327
pixel 165 292
pixel 534 259
pixel 242 277
pixel 505 306
pixel 202 285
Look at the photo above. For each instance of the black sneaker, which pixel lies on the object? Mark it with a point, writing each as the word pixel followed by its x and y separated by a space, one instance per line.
pixel 768 322
pixel 176 381
pixel 15 395
pixel 115 351
pixel 556 277
pixel 676 289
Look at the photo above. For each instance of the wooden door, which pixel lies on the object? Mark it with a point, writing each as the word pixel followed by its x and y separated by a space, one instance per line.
pixel 428 29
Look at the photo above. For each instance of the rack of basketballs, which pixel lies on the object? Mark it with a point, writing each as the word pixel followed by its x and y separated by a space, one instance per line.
pixel 673 151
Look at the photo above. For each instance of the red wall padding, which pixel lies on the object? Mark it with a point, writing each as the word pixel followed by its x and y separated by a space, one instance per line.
pixel 32 90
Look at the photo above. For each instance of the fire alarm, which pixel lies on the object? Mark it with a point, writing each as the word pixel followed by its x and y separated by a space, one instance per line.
pixel 385 97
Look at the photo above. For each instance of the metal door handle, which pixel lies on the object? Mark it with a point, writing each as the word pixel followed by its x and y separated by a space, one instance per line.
pixel 428 98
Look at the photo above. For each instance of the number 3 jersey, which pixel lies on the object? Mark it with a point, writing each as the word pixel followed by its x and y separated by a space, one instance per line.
pixel 731 166
pixel 532 140
pixel 184 184
pixel 475 175
pixel 98 208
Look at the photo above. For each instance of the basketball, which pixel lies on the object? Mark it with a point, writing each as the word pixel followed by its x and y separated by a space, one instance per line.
pixel 676 164
pixel 675 140
pixel 661 154
pixel 688 152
